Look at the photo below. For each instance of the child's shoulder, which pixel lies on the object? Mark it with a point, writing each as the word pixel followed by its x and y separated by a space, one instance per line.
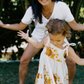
pixel 70 49
pixel 45 39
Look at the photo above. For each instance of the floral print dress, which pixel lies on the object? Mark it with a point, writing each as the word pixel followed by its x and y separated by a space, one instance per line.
pixel 52 66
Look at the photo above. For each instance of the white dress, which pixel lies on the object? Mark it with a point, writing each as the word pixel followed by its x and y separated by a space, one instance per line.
pixel 52 65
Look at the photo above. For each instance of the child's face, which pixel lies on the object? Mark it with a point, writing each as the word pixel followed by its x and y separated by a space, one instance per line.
pixel 57 40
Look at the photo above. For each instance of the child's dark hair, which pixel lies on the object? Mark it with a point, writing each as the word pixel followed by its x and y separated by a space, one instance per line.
pixel 37 10
pixel 56 26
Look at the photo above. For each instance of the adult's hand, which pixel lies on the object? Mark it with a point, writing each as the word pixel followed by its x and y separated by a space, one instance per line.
pixel 1 23
pixel 15 26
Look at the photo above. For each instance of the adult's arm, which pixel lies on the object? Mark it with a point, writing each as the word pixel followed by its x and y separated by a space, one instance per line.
pixel 68 17
pixel 16 26
pixel 76 26
pixel 27 19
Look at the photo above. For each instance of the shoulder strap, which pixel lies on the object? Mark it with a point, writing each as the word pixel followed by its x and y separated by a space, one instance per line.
pixel 67 46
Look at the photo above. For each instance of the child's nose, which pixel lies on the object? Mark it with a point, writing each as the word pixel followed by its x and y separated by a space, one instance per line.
pixel 54 42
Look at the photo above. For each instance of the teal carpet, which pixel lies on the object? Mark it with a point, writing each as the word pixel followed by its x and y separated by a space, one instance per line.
pixel 9 73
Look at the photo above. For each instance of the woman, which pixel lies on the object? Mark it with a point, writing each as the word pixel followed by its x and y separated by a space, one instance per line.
pixel 41 12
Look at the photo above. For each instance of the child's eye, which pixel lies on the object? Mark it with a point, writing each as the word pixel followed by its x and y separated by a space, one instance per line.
pixel 58 40
pixel 51 40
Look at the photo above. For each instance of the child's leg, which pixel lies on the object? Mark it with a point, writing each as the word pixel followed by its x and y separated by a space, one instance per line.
pixel 71 68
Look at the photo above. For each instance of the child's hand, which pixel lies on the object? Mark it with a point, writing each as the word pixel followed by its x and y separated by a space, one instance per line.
pixel 23 35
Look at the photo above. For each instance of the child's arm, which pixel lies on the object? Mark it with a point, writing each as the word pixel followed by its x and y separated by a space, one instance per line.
pixel 75 57
pixel 30 40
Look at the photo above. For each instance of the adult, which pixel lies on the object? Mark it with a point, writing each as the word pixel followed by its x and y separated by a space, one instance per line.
pixel 41 12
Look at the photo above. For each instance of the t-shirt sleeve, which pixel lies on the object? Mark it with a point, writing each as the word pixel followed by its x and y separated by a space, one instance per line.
pixel 27 18
pixel 66 12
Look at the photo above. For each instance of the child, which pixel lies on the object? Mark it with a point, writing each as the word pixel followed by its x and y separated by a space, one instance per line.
pixel 52 65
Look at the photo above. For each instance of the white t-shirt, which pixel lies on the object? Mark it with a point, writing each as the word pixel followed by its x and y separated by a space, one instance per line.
pixel 60 11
